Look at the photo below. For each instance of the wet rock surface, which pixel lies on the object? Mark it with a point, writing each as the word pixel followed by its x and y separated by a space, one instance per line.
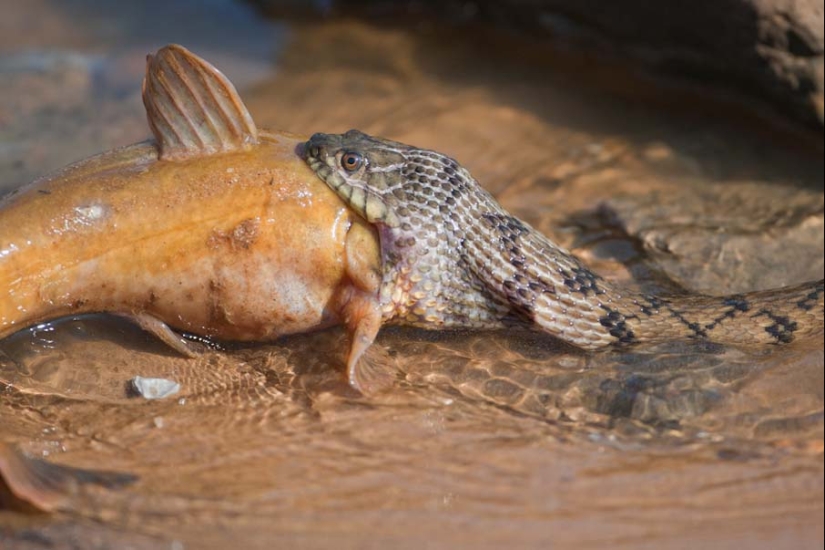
pixel 491 439
pixel 719 254
pixel 153 388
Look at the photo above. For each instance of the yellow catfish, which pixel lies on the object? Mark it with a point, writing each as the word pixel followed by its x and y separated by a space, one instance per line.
pixel 213 228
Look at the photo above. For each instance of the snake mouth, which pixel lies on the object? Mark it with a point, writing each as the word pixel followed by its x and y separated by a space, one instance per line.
pixel 319 160
pixel 323 170
pixel 366 202
pixel 321 153
pixel 319 144
pixel 324 167
pixel 301 150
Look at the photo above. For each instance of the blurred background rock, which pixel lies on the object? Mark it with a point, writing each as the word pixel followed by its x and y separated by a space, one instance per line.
pixel 770 51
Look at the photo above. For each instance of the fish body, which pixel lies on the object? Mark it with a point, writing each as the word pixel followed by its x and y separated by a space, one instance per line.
pixel 238 246
pixel 212 228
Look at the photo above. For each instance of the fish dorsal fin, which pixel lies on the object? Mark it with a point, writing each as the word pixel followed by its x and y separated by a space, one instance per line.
pixel 193 109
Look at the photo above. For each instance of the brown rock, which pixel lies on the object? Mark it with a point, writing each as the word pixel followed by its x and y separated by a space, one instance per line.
pixel 769 50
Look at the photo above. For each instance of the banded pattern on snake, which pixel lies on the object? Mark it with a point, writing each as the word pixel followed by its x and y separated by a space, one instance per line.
pixel 453 257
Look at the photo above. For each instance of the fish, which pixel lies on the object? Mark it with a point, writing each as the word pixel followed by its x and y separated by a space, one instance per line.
pixel 212 228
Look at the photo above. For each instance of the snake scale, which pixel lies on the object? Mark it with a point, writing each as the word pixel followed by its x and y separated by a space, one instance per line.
pixel 453 257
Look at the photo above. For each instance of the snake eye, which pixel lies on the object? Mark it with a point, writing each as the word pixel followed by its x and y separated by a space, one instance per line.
pixel 352 162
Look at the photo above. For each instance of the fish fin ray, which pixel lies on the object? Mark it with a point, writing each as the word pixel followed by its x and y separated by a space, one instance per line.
pixel 192 108
pixel 162 332
pixel 373 373
pixel 362 316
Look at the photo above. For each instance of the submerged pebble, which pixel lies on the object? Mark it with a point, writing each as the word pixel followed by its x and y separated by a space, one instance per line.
pixel 154 388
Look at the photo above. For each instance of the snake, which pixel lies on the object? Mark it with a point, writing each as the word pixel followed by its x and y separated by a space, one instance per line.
pixel 453 257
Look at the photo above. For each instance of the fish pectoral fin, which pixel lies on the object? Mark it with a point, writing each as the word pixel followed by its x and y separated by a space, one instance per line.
pixel 372 375
pixel 162 332
pixel 192 108
pixel 362 314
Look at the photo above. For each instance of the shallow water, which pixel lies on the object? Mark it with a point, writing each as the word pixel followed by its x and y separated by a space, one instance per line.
pixel 486 439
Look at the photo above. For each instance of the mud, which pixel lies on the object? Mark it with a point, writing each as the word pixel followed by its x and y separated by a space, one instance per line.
pixel 486 439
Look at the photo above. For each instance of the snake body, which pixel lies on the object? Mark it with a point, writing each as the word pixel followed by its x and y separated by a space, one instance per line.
pixel 453 257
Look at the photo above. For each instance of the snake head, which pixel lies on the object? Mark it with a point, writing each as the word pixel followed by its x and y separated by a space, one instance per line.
pixel 361 169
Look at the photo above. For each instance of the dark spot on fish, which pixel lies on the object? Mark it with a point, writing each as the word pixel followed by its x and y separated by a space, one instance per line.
pixel 245 234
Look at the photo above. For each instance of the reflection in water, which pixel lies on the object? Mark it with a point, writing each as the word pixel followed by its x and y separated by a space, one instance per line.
pixel 488 439
pixel 274 431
